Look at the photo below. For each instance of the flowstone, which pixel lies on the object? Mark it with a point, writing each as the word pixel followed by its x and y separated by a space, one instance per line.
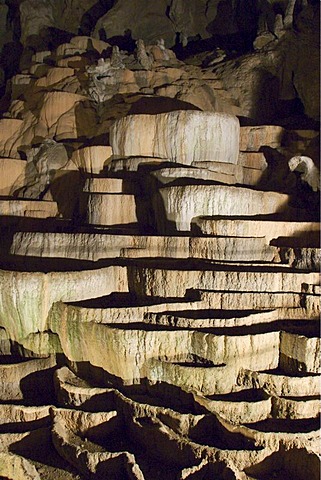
pixel 42 164
pixel 166 325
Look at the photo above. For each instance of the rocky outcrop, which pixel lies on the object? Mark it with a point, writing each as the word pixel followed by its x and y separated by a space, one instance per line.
pixel 42 164
pixel 261 81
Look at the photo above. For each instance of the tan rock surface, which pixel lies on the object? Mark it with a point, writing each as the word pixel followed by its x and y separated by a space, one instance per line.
pixel 28 208
pixel 183 204
pixel 253 138
pixel 96 246
pixel 17 384
pixel 168 175
pixel 178 136
pixel 111 209
pixel 299 353
pixel 10 171
pixel 255 160
pixel 92 159
pixel 245 300
pixel 29 296
pixel 13 466
pixel 256 228
pixel 8 129
pixel 161 282
pixel 170 356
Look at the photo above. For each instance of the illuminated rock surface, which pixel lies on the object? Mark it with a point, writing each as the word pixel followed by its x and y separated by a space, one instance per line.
pixel 159 286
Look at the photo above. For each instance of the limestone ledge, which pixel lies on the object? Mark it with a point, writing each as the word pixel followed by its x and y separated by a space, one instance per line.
pixel 162 283
pixel 257 300
pixel 103 345
pixel 74 392
pixel 181 136
pixel 177 206
pixel 303 258
pixel 256 228
pixel 17 467
pixel 227 173
pixel 242 411
pixel 178 314
pixel 253 138
pixel 280 384
pixel 28 208
pixel 256 405
pixel 92 159
pixel 111 209
pixel 94 247
pixel 26 297
pixel 14 385
pixel 300 351
pixel 21 414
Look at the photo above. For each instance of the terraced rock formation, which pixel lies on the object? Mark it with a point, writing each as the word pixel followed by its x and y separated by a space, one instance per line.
pixel 160 292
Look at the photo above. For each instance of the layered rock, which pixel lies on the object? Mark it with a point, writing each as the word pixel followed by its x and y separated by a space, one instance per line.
pixel 158 318
pixel 181 137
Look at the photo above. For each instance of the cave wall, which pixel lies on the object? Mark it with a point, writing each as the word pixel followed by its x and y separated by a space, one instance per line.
pixel 280 41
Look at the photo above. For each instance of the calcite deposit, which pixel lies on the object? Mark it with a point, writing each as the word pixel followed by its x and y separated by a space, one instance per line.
pixel 180 137
pixel 160 246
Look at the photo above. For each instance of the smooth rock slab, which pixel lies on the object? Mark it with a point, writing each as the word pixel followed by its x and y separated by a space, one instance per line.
pixel 181 204
pixel 105 185
pixel 177 315
pixel 132 164
pixel 81 246
pixel 227 169
pixel 232 249
pixel 168 175
pixel 112 185
pixel 181 136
